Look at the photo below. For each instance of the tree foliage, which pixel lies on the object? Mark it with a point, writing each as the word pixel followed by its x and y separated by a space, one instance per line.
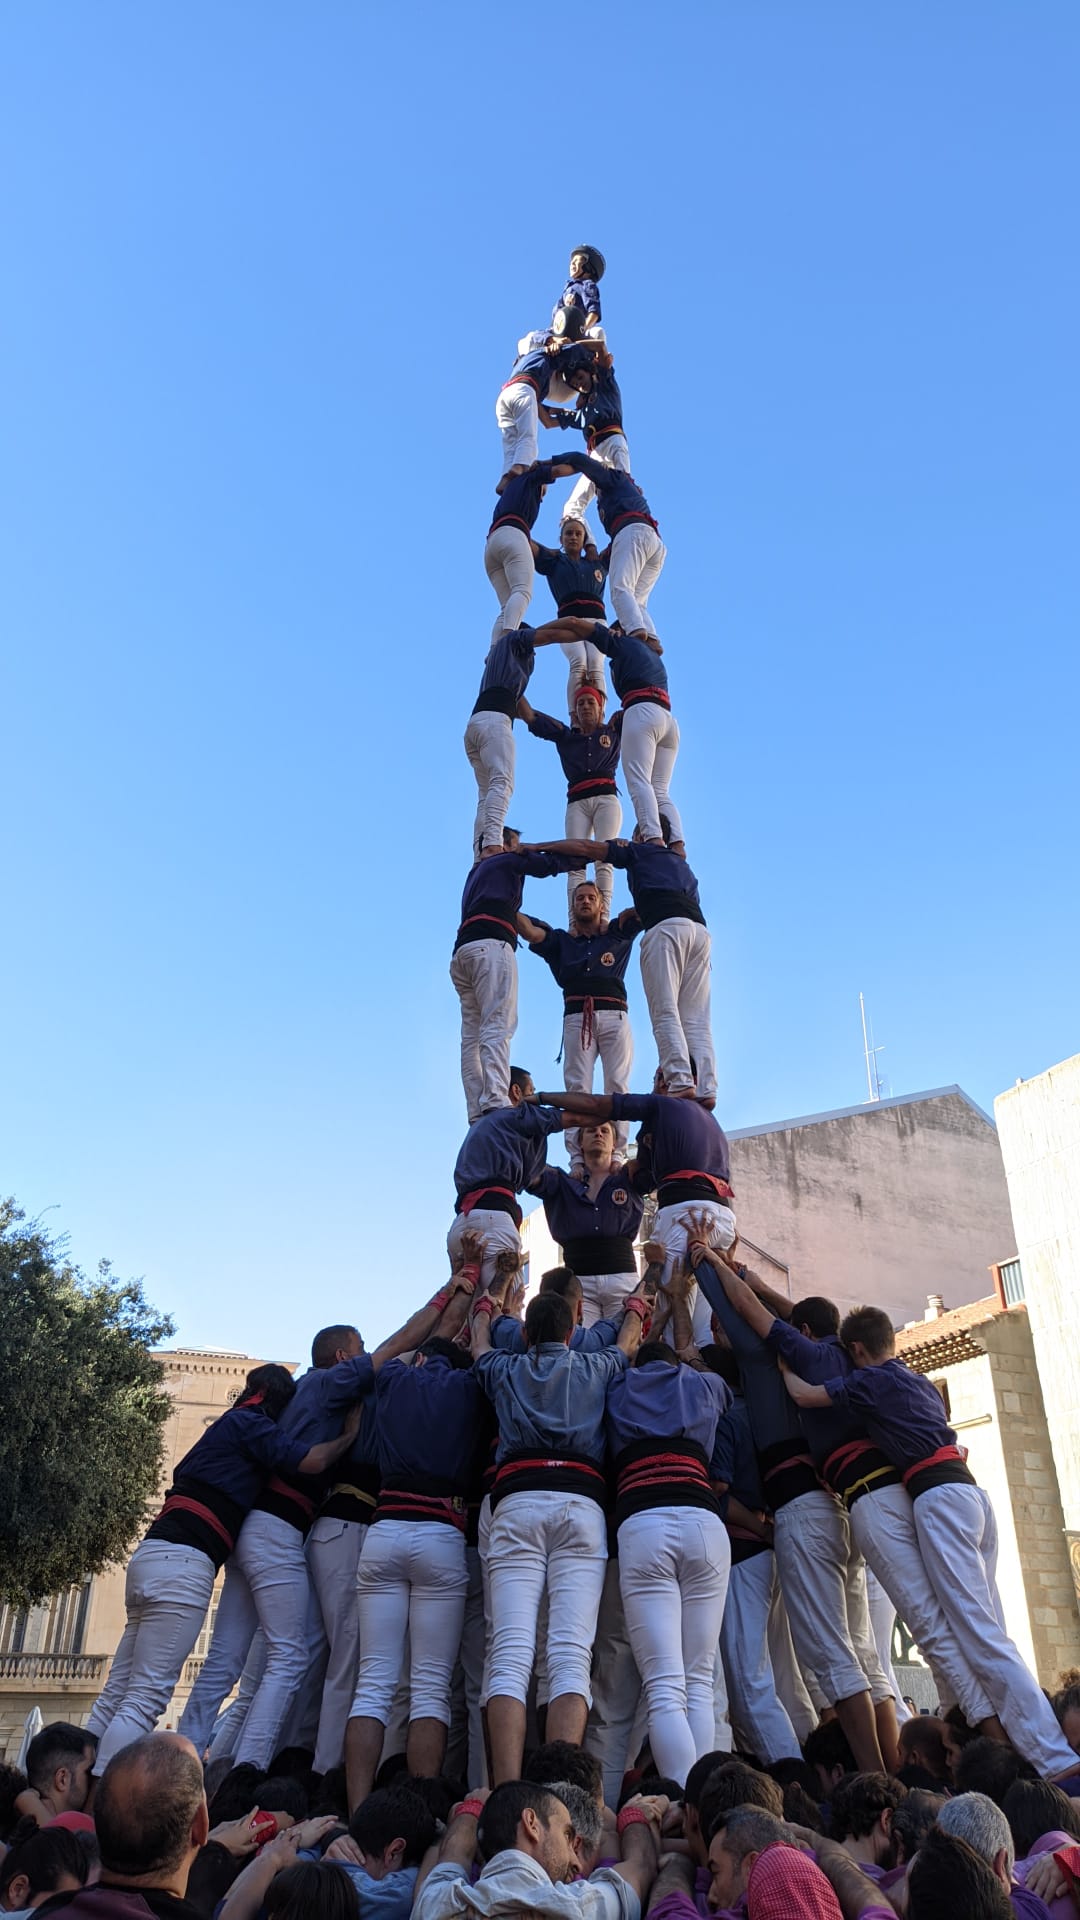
pixel 82 1407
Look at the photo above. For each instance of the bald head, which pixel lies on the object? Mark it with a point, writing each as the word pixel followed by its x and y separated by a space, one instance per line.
pixel 150 1811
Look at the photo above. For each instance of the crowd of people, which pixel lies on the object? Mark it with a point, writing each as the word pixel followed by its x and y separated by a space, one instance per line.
pixel 626 1556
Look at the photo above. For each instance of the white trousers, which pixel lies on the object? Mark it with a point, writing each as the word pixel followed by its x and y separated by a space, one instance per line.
pixel 411 1581
pixel 882 1625
pixel 166 1592
pixel 674 1564
pixel 333 1552
pixel 519 424
pixel 235 1627
pixel 596 818
pixel 676 968
pixel 612 1043
pixel 616 1689
pixel 556 1541
pixel 824 1587
pixel 499 1232
pixel 489 745
pixel 637 555
pixel 760 1722
pixel 958 1535
pixel 586 662
pixel 791 1683
pixel 225 1737
pixel 485 977
pixel 612 452
pixel 508 559
pixel 650 748
pixel 270 1555
pixel 671 1229
pixel 604 1295
pixel 883 1527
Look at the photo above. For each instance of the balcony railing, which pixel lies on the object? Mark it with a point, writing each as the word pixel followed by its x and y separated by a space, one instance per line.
pixel 70 1667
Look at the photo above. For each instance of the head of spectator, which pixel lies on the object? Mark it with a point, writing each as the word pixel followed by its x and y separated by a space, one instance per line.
pixel 150 1814
pixel 801 1809
pixel 439 1793
pixel 560 1760
pixel 913 1820
pixel 588 1819
pixel 49 1861
pixel 826 1749
pixel 12 1783
pixel 976 1819
pixel 739 1837
pixel 286 1796
pixel 949 1881
pixel 530 1820
pixel 238 1794
pixel 58 1763
pixel 312 1890
pixel 785 1884
pixel 990 1767
pixel 734 1784
pixel 696 1781
pixel 922 1744
pixel 861 1817
pixel 393 1828
pixel 957 1735
pixel 1034 1808
pixel 1067 1707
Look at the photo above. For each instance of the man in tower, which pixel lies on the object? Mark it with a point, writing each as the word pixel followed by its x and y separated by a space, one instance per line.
pixel 503 1154
pixel 589 753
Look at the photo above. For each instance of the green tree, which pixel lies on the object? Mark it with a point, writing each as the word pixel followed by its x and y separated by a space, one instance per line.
pixel 82 1407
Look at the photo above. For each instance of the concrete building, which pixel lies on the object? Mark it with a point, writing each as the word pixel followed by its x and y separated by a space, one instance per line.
pixel 882 1203
pixel 56 1656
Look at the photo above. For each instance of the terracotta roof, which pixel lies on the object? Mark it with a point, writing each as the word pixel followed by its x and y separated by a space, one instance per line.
pixel 931 1344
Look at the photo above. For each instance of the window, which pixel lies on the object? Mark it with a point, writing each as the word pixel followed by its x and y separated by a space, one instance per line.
pixel 12 1629
pixel 943 1388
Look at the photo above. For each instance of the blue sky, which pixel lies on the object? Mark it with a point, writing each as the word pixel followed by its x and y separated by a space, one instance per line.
pixel 266 266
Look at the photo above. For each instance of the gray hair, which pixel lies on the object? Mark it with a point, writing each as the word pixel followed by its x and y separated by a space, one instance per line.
pixel 750 1830
pixel 587 1817
pixel 974 1817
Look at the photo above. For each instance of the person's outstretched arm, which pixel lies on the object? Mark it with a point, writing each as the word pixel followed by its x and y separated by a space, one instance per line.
pixel 591 1106
pixel 584 850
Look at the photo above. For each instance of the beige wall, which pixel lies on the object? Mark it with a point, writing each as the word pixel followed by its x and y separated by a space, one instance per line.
pixel 884 1203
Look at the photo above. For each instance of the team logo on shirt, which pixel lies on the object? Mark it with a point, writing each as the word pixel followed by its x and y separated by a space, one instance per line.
pixel 607 959
pixel 605 740
pixel 598 573
pixel 620 1197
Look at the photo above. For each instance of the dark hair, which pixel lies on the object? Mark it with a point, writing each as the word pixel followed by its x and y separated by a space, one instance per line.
pixel 722 1361
pixel 1035 1807
pixel 656 1351
pixel 1067 1698
pixel 238 1794
pixel 787 1771
pixel 57 1745
pixel 734 1784
pixel 547 1318
pixel 923 1735
pixel 329 1795
pixel 948 1881
pixel 394 1813
pixel 872 1328
pixel 45 1857
pixel 699 1775
pixel 827 1746
pixel 749 1829
pixel 990 1767
pixel 802 1808
pixel 283 1793
pixel 516 831
pixel 438 1794
pixel 439 1348
pixel 213 1871
pixel 859 1800
pixel 394 1772
pixel 313 1890
pixel 564 1282
pixel 325 1345
pixel 913 1820
pixel 295 1762
pixel 561 1760
pixel 498 1825
pixel 147 1799
pixel 275 1385
pixel 650 1783
pixel 820 1315
pixel 12 1783
pixel 518 1077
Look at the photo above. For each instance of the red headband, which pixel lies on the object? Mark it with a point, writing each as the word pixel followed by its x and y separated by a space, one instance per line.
pixel 587 690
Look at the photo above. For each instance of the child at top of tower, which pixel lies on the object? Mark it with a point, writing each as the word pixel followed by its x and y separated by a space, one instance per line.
pixel 581 290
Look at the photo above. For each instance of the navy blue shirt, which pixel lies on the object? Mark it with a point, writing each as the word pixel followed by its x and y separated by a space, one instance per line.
pixel 619 499
pixel 507 1148
pixel 539 367
pixel 221 1477
pixel 588 966
pixel 507 672
pixel 826 1428
pixel 661 884
pixel 635 668
pixel 734 1460
pixel 577 586
pixel 322 1398
pixel 519 502
pixel 770 1409
pixel 584 1225
pixel 589 760
pixel 681 1136
pixel 661 1402
pixel 579 293
pixel 601 411
pixel 900 1410
pixel 491 899
pixel 426 1418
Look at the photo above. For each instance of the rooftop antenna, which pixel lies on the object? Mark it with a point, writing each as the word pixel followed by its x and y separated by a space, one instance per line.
pixel 870 1054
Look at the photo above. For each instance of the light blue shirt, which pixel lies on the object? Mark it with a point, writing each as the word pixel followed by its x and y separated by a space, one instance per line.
pixel 550 1397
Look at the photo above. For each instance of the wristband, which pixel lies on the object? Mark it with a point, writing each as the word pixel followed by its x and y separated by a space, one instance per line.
pixel 634 1304
pixel 470 1271
pixel 440 1299
pixel 472 1808
pixel 485 1304
pixel 631 1817
pixel 467 1281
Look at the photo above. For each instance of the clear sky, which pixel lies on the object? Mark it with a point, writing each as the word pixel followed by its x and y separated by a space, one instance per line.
pixel 265 266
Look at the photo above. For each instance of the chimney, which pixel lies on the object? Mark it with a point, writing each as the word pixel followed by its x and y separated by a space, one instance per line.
pixel 935 1306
